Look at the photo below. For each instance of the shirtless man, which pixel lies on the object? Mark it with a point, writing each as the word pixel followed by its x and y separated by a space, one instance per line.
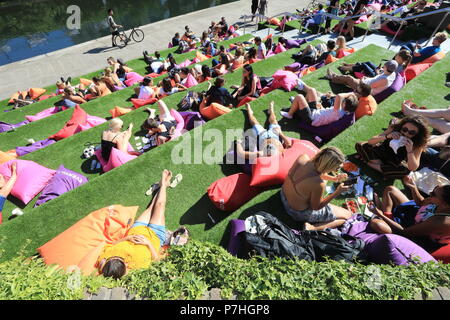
pixel 304 186
pixel 269 140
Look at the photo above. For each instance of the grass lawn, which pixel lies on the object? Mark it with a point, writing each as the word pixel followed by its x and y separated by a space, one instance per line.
pixel 138 65
pixel 188 204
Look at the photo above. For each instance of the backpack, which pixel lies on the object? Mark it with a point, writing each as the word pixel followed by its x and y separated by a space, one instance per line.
pixel 267 236
pixel 191 101
pixel 182 47
pixel 344 247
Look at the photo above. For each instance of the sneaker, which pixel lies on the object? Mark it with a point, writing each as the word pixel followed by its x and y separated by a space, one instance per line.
pixel 69 79
pixel 285 114
pixel 62 79
pixel 291 99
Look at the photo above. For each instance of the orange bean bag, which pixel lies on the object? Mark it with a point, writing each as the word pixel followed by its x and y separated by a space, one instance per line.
pixel 435 58
pixel 118 111
pixel 330 59
pixel 213 111
pixel 306 71
pixel 201 56
pixel 15 95
pixel 36 92
pixel 85 82
pixel 81 244
pixel 275 21
pixel 7 156
pixel 366 106
pixel 245 100
pixel 344 52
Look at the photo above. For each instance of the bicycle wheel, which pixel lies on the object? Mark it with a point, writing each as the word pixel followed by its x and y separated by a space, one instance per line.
pixel 120 40
pixel 137 35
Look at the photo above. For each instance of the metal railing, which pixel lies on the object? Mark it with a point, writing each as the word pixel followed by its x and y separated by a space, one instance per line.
pixel 374 13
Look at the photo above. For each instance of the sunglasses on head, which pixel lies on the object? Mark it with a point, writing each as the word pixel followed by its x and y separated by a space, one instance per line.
pixel 410 132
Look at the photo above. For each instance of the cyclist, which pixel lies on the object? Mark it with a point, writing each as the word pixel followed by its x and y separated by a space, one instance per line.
pixel 113 27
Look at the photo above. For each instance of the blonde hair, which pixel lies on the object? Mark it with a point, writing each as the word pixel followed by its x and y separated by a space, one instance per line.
pixel 440 37
pixel 115 123
pixel 108 72
pixel 328 160
pixel 341 43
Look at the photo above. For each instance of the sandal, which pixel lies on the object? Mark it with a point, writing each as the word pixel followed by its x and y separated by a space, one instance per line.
pixel 155 187
pixel 178 178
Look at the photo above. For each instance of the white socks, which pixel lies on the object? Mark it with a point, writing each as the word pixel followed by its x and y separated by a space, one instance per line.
pixel 300 84
pixel 285 114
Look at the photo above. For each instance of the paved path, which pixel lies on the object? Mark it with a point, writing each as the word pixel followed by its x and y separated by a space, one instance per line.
pixel 90 56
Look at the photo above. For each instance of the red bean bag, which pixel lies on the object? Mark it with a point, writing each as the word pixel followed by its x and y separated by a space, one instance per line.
pixel 142 102
pixel 275 21
pixel 213 111
pixel 413 70
pixel 79 118
pixel 245 100
pixel 344 52
pixel 442 254
pixel 81 244
pixel 386 29
pixel 271 171
pixel 230 193
pixel 47 96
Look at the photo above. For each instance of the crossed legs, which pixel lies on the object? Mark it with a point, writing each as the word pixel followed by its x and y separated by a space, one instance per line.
pixel 439 119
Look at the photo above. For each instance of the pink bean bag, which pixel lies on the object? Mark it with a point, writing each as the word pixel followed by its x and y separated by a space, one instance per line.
pixel 43 114
pixel 132 78
pixel 116 159
pixel 190 81
pixel 31 178
pixel 413 70
pixel 185 63
pixel 279 48
pixel 92 121
pixel 180 123
pixel 270 53
pixel 284 79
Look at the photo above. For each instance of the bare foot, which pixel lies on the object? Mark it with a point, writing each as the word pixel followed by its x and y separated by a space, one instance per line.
pixel 166 176
pixel 271 107
pixel 248 108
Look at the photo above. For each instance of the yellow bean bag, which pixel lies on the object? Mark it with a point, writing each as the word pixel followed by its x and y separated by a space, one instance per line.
pixel 81 244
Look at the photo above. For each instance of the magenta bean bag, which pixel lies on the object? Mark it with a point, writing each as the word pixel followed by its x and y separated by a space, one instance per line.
pixel 4 126
pixel 185 63
pixel 92 121
pixel 21 151
pixel 284 79
pixel 331 130
pixel 31 178
pixel 132 78
pixel 192 119
pixel 190 81
pixel 269 53
pixel 279 48
pixel 291 43
pixel 43 114
pixel 398 83
pixel 63 181
pixel 116 159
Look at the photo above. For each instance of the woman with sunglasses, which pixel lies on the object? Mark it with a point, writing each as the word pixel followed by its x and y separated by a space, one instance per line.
pixel 427 220
pixel 145 238
pixel 396 152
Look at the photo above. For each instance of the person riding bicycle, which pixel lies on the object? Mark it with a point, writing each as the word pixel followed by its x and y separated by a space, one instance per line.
pixel 113 27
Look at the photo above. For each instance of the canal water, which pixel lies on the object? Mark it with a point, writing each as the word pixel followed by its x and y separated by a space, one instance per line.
pixel 34 27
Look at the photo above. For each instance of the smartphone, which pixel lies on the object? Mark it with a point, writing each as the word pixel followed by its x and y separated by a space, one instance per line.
pixel 350 181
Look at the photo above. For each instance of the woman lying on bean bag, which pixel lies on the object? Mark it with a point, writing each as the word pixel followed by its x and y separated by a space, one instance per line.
pixel 6 187
pixel 164 128
pixel 144 241
pixel 425 218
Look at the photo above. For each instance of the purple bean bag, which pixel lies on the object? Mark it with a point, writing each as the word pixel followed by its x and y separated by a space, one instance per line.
pixel 291 43
pixel 4 126
pixel 235 243
pixel 192 119
pixel 329 131
pixel 63 181
pixel 398 83
pixel 21 151
pixel 384 248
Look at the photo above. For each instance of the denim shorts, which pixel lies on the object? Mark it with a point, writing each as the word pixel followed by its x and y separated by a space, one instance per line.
pixel 308 215
pixel 264 134
pixel 159 230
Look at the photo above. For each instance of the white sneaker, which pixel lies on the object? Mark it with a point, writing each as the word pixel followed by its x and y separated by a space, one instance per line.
pixel 285 114
pixel 291 99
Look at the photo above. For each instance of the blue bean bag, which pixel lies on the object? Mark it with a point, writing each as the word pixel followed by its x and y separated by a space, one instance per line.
pixel 329 131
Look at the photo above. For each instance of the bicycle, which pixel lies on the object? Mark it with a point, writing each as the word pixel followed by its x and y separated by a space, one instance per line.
pixel 121 40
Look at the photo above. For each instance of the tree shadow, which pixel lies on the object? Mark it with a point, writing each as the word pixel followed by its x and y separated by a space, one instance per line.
pixel 100 50
pixel 203 212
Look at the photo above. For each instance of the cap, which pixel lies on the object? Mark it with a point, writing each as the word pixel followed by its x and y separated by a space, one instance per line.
pixel 391 65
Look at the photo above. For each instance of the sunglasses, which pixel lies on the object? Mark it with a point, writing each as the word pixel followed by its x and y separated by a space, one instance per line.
pixel 410 132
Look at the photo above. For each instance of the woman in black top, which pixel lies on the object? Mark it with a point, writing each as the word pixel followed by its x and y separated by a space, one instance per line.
pixel 250 85
pixel 219 94
pixel 360 5
pixel 115 138
pixel 397 151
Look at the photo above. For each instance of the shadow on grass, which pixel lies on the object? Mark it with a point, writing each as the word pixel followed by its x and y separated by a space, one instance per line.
pixel 100 50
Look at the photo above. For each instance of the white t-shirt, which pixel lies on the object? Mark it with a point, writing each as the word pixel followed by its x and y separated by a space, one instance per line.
pixel 261 49
pixel 325 116
pixel 145 92
pixel 174 90
pixel 390 79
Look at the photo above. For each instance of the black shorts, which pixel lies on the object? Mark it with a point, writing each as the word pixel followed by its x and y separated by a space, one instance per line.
pixel 312 104
pixel 305 115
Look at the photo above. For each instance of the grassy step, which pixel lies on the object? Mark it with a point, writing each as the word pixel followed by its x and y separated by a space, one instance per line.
pixel 138 65
pixel 188 204
pixel 63 152
pixel 43 128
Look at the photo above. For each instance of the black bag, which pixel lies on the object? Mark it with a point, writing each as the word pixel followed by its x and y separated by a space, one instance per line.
pixel 334 247
pixel 191 101
pixel 265 81
pixel 274 239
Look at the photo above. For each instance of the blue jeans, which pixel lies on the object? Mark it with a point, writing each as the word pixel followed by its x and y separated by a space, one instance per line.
pixel 159 230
